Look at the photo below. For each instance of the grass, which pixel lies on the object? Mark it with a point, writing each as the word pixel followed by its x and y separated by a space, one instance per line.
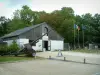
pixel 13 58
pixel 87 51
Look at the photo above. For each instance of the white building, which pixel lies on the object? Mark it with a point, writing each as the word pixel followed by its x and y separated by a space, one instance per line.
pixel 49 42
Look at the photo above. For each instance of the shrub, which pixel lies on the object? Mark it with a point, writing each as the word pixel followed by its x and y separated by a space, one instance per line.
pixel 3 49
pixel 13 47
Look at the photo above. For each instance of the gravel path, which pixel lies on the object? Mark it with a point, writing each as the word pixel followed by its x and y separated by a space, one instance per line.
pixel 66 53
pixel 51 67
pixel 73 56
pixel 48 67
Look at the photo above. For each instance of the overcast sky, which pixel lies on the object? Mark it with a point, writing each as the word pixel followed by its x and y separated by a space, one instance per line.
pixel 7 7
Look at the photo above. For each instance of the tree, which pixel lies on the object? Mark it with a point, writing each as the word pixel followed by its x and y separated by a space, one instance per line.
pixel 16 14
pixel 67 30
pixel 3 25
pixel 61 20
pixel 27 15
pixel 13 47
pixel 92 25
pixel 22 18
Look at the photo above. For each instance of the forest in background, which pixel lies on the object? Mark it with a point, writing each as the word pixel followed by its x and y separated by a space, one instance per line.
pixel 62 21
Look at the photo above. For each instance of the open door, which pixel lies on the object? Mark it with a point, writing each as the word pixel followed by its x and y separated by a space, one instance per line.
pixel 45 45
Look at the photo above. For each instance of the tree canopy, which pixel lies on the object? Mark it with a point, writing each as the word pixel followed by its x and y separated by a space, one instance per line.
pixel 62 21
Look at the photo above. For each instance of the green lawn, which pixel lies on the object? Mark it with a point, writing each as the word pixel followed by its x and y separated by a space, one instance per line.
pixel 88 51
pixel 13 58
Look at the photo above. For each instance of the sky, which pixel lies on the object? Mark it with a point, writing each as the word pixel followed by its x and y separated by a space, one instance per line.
pixel 7 7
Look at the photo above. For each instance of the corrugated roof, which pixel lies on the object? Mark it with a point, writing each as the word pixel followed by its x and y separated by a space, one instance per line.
pixel 20 31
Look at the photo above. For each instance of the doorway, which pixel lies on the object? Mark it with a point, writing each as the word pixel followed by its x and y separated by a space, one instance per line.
pixel 46 45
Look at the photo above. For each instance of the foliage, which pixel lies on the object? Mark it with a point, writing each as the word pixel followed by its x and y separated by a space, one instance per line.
pixel 92 25
pixel 13 47
pixel 4 25
pixel 3 49
pixel 22 18
pixel 61 20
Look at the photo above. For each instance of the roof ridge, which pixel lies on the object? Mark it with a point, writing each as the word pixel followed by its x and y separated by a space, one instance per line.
pixel 22 30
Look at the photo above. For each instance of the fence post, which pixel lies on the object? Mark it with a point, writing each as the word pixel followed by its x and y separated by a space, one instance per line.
pixel 64 58
pixel 49 57
pixel 84 60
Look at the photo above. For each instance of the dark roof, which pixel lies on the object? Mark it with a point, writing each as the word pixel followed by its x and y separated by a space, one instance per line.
pixel 20 31
pixel 23 30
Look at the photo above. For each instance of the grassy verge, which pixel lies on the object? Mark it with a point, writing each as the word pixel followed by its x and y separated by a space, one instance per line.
pixel 20 58
pixel 88 51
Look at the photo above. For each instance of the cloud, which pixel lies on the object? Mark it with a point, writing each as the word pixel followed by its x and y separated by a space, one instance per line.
pixel 18 2
pixel 7 11
pixel 79 6
pixel 7 7
pixel 4 11
pixel 1 4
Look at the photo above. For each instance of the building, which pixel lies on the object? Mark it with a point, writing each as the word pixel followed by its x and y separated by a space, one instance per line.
pixel 50 42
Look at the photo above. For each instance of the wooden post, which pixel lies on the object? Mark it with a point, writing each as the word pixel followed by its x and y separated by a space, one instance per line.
pixel 49 57
pixel 84 60
pixel 64 58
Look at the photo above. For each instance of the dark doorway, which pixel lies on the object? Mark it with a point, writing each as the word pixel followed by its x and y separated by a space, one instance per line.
pixel 46 45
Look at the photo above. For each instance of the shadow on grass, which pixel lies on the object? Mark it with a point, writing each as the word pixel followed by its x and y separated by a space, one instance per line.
pixel 73 61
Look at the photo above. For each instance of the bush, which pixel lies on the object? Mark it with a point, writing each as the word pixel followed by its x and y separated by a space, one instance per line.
pixel 13 47
pixel 3 49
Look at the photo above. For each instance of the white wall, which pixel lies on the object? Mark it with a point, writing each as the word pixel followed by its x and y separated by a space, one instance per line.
pixel 45 38
pixel 20 42
pixel 38 46
pixel 9 42
pixel 56 45
pixel 23 41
